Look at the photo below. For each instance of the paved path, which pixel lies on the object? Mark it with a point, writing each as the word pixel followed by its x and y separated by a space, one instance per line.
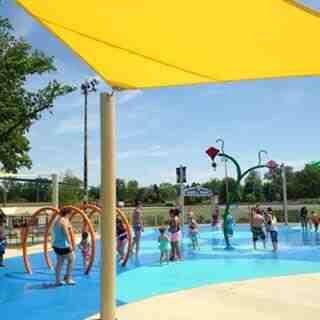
pixel 294 298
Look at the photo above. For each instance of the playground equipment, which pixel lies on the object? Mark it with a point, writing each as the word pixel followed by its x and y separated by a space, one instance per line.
pixel 86 212
pixel 54 214
pixel 234 196
pixel 92 210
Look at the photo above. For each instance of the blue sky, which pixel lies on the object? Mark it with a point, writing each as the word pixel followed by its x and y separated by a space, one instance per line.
pixel 161 129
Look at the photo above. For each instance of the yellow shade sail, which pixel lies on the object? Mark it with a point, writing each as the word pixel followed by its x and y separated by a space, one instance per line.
pixel 149 43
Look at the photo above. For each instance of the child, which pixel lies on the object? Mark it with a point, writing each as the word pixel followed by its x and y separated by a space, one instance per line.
pixel 271 222
pixel 174 230
pixel 122 238
pixel 3 243
pixel 228 229
pixel 215 217
pixel 163 245
pixel 315 221
pixel 193 232
pixel 137 224
pixel 257 222
pixel 267 220
pixel 85 248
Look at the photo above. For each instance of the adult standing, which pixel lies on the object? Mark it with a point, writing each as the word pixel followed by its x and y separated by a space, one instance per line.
pixel 64 246
pixel 257 222
pixel 137 225
pixel 304 218
pixel 175 234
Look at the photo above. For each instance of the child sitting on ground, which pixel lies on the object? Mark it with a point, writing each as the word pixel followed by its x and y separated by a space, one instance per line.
pixel 3 243
pixel 163 245
pixel 193 232
pixel 85 248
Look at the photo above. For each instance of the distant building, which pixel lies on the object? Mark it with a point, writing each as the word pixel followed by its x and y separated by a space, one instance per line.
pixel 17 216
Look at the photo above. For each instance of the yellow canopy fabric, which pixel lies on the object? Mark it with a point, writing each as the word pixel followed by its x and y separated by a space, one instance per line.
pixel 145 43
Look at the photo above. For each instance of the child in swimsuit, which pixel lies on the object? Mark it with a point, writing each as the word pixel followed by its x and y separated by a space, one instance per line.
pixel 3 244
pixel 137 224
pixel 122 238
pixel 230 225
pixel 163 245
pixel 257 222
pixel 215 218
pixel 271 226
pixel 85 248
pixel 315 221
pixel 174 230
pixel 193 232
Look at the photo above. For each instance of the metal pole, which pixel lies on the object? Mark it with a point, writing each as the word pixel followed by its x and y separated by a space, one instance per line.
pixel 221 141
pixel 5 195
pixel 226 177
pixel 108 201
pixel 37 192
pixel 284 194
pixel 182 199
pixel 85 145
pixel 55 191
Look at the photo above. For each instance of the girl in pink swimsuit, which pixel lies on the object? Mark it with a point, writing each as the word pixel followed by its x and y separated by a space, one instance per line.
pixel 85 248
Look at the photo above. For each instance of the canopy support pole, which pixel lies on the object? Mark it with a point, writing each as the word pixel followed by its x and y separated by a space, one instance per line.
pixel 55 190
pixel 284 194
pixel 108 201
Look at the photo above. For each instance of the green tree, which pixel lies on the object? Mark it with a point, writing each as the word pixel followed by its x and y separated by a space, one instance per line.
pixel 167 192
pixel 231 187
pixel 132 191
pixel 141 195
pixel 214 185
pixel 121 189
pixel 253 190
pixel 94 193
pixel 21 107
pixel 307 182
pixel 71 189
pixel 275 189
pixel 269 192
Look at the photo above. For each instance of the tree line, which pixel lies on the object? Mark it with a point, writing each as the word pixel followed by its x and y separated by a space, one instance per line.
pixel 302 184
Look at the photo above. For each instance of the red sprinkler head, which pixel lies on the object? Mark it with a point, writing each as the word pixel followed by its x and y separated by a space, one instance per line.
pixel 272 166
pixel 212 152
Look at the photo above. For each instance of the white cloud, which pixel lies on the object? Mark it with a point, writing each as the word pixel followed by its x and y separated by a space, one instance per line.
pixel 127 96
pixel 296 164
pixel 75 124
pixel 149 152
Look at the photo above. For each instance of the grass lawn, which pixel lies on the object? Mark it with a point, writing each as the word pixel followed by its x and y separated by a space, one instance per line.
pixel 154 216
